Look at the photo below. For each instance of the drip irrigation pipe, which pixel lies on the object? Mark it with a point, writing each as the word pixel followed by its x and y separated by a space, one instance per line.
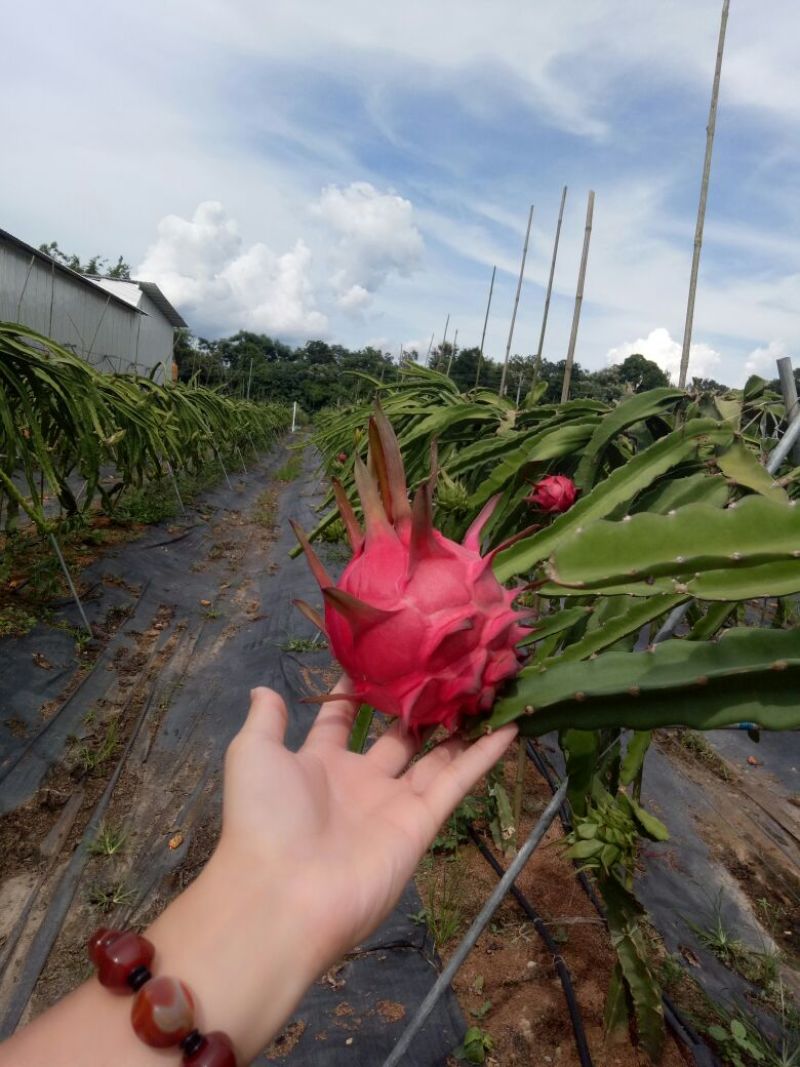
pixel 683 1030
pixel 581 1044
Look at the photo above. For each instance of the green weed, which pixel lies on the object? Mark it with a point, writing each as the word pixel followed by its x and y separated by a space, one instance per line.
pixel 109 841
pixel 15 621
pixel 304 644
pixel 474 1047
pixel 113 895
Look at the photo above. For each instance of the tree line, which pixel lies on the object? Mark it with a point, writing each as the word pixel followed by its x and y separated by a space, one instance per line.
pixel 318 374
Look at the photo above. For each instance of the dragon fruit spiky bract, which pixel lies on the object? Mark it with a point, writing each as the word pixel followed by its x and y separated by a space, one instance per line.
pixel 420 623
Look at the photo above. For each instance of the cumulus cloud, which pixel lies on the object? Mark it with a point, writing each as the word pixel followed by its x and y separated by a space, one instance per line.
pixel 761 361
pixel 376 237
pixel 661 349
pixel 205 270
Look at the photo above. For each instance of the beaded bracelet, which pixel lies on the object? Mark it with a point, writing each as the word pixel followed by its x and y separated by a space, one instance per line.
pixel 163 1008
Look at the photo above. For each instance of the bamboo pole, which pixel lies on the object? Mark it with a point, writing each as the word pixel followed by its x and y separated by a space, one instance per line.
pixel 576 315
pixel 452 353
pixel 701 209
pixel 444 338
pixel 789 390
pixel 430 346
pixel 552 274
pixel 502 389
pixel 485 323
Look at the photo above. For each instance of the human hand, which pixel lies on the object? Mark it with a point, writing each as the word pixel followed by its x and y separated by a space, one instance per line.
pixel 346 830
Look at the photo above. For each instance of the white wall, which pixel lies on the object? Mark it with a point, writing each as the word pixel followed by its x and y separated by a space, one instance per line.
pixel 99 329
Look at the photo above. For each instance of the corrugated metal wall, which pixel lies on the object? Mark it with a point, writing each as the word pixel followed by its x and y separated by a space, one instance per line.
pixel 106 333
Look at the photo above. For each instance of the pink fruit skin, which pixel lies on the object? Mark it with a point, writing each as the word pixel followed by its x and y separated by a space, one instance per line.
pixel 555 493
pixel 419 622
pixel 448 638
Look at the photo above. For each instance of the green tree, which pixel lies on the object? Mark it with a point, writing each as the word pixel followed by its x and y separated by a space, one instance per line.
pixel 95 266
pixel 642 373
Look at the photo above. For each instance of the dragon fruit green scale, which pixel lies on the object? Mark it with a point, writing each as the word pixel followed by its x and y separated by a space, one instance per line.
pixel 419 622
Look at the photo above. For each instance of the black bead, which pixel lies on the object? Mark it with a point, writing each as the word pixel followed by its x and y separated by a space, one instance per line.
pixel 137 978
pixel 192 1043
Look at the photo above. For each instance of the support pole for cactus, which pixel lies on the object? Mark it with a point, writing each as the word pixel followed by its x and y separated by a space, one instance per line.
pixel 70 583
pixel 485 323
pixel 224 471
pixel 501 391
pixel 576 314
pixel 552 275
pixel 175 487
pixel 701 208
pixel 444 336
pixel 789 390
pixel 452 353
pixel 478 926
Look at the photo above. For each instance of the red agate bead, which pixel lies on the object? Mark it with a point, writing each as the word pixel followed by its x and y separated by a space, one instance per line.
pixel 117 954
pixel 163 1012
pixel 208 1050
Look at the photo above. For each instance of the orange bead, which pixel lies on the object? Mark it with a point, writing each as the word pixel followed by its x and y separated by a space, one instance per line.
pixel 163 1012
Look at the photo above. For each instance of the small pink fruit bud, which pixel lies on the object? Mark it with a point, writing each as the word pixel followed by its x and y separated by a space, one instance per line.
pixel 342 457
pixel 555 493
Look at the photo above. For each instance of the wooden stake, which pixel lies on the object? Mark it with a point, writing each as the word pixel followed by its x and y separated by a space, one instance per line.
pixel 576 315
pixel 550 279
pixel 502 389
pixel 485 322
pixel 701 210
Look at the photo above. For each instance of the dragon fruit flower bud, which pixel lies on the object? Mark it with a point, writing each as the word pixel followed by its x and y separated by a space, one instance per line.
pixel 555 493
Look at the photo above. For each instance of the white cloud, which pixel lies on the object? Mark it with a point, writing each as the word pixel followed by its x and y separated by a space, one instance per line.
pixel 204 270
pixel 761 361
pixel 661 349
pixel 376 237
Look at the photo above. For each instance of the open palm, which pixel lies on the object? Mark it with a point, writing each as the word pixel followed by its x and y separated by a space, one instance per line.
pixel 350 828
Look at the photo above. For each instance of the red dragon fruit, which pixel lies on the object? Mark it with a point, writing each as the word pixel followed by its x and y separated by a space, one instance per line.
pixel 555 493
pixel 419 622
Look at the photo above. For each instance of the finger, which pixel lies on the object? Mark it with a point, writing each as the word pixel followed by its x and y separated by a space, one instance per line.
pixel 420 776
pixel 393 749
pixel 334 722
pixel 449 787
pixel 267 717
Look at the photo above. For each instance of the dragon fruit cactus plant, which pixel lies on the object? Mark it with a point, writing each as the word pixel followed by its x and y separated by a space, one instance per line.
pixel 419 622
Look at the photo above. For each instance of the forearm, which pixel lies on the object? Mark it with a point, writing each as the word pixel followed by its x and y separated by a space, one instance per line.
pixel 241 945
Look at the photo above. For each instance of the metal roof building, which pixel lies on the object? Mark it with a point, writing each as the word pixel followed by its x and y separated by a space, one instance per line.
pixel 115 325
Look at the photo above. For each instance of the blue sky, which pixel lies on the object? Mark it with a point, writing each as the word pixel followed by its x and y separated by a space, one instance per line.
pixel 354 172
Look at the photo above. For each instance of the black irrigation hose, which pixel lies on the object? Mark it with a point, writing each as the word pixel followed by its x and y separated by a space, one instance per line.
pixel 683 1030
pixel 565 977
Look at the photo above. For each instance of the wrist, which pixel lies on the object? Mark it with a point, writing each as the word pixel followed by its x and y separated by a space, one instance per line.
pixel 241 942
